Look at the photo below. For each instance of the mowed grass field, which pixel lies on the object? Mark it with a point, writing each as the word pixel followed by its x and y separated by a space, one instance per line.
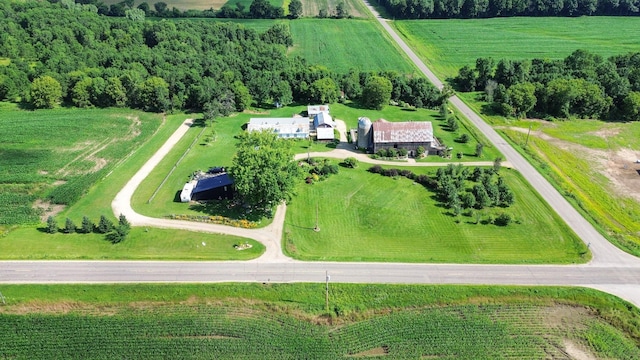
pixel 369 217
pixel 447 45
pixel 345 44
pixel 275 321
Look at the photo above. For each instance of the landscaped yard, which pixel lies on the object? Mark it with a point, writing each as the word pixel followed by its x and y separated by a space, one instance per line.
pixel 447 45
pixel 369 217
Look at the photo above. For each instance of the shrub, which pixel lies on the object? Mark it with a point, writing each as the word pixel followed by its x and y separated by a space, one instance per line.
pixel 420 151
pixel 503 219
pixel 402 152
pixel 407 173
pixel 391 172
pixel 391 152
pixel 118 234
pixel 376 169
pixel 464 138
pixel 381 153
pixel 351 162
pixel 459 155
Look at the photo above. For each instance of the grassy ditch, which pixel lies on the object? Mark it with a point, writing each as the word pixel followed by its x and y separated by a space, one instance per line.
pixel 275 320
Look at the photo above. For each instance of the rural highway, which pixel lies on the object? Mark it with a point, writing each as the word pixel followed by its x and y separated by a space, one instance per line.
pixel 611 270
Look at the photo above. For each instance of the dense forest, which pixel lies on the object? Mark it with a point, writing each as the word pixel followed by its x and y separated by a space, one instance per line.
pixel 53 53
pixel 466 9
pixel 581 85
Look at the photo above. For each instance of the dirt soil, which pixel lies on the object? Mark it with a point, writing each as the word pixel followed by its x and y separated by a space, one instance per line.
pixel 617 165
pixel 48 209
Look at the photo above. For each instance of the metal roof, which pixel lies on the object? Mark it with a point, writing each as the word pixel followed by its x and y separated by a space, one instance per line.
pixel 214 182
pixel 280 125
pixel 322 119
pixel 402 132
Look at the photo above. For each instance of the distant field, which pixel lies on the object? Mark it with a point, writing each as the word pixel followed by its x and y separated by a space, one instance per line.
pixel 346 44
pixel 369 217
pixel 447 45
pixel 276 321
pixel 355 8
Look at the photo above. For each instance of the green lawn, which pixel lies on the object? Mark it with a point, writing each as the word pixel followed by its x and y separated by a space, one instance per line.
pixel 369 217
pixel 141 244
pixel 345 44
pixel 226 321
pixel 447 45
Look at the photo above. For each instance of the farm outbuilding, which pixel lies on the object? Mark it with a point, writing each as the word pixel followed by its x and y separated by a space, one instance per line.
pixel 324 125
pixel 297 127
pixel 217 187
pixel 313 110
pixel 404 135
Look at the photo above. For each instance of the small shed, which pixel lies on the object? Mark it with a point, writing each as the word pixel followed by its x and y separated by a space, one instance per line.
pixel 216 187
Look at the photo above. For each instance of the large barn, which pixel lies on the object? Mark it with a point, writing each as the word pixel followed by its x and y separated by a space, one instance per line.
pixel 286 128
pixel 403 135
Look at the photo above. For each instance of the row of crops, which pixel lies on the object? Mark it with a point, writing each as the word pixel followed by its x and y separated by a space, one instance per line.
pixel 202 332
pixel 58 154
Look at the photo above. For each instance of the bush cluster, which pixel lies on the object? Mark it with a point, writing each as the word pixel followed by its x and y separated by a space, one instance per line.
pixel 320 170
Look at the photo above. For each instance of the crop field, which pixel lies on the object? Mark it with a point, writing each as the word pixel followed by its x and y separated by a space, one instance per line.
pixel 447 45
pixel 370 217
pixel 355 8
pixel 227 321
pixel 59 154
pixel 346 44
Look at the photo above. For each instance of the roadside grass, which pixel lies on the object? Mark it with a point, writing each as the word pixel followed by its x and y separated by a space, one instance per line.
pixel 447 45
pixel 369 217
pixel 226 320
pixel 325 42
pixel 140 244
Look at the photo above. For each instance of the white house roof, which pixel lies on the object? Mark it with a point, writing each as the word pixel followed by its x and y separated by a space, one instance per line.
pixel 402 132
pixel 316 109
pixel 280 125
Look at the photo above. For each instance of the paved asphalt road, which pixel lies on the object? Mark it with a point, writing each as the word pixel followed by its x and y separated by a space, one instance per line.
pixel 611 269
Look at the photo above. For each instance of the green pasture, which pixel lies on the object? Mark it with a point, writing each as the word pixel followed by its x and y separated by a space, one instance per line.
pixel 291 320
pixel 140 244
pixel 370 217
pixel 343 44
pixel 447 45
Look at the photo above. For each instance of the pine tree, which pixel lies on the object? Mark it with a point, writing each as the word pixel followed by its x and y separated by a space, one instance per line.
pixel 52 226
pixel 87 225
pixel 69 226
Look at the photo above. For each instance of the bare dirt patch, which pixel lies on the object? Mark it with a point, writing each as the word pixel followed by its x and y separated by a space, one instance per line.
pixel 379 351
pixel 565 316
pixel 47 208
pixel 577 352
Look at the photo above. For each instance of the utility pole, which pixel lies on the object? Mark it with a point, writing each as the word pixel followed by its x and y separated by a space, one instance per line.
pixel 528 133
pixel 316 228
pixel 326 298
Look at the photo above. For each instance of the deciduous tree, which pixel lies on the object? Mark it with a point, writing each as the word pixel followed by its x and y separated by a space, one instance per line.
pixel 46 92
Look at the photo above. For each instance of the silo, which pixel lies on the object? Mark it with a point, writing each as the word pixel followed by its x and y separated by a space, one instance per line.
pixel 364 133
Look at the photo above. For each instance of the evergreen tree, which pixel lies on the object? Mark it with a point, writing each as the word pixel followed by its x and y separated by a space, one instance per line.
pixel 52 226
pixel 87 225
pixel 69 226
pixel 105 225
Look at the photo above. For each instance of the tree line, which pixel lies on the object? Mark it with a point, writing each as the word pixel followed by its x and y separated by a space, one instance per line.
pixel 258 9
pixel 86 60
pixel 581 85
pixel 466 9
